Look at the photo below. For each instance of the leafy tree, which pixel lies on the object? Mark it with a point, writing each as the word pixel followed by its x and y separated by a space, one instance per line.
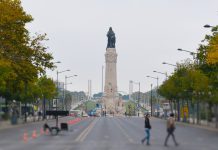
pixel 47 88
pixel 208 56
pixel 22 57
pixel 184 85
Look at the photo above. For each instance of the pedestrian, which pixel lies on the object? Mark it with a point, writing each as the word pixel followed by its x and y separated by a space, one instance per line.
pixel 39 115
pixel 170 129
pixel 147 130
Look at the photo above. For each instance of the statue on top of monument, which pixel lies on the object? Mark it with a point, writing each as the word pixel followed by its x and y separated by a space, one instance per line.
pixel 111 38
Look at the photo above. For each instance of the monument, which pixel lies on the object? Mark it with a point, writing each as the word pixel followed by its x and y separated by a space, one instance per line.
pixel 111 98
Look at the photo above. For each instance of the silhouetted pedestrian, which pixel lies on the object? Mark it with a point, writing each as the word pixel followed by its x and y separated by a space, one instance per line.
pixel 170 129
pixel 147 130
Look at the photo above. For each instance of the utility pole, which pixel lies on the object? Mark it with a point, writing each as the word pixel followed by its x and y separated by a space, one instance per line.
pixel 102 84
pixel 151 102
pixel 138 99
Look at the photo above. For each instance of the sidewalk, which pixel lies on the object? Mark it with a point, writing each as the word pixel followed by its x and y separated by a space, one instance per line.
pixel 198 126
pixel 7 124
pixel 194 125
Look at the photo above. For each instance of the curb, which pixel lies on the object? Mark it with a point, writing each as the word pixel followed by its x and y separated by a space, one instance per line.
pixel 193 125
pixel 8 125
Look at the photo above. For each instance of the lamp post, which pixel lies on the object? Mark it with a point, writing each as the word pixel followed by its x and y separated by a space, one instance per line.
pixel 58 72
pixel 151 102
pixel 44 103
pixel 64 106
pixel 138 96
pixel 156 78
pixel 65 88
pixel 208 26
pixel 165 63
pixel 102 80
pixel 194 54
pixel 161 73
pixel 57 62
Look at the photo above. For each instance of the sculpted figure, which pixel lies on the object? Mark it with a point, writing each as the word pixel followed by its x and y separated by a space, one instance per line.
pixel 111 38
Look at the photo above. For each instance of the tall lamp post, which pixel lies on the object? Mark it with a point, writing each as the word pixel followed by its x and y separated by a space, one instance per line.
pixel 151 102
pixel 64 106
pixel 44 108
pixel 58 72
pixel 208 26
pixel 138 96
pixel 65 88
pixel 165 63
pixel 102 80
pixel 161 73
pixel 194 54
pixel 156 78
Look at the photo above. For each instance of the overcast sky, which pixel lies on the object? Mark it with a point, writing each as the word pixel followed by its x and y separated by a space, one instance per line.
pixel 148 32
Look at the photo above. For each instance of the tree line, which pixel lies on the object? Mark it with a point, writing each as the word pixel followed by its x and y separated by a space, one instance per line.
pixel 196 82
pixel 24 58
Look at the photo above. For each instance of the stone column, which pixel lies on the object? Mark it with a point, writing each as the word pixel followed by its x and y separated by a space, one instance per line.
pixel 110 88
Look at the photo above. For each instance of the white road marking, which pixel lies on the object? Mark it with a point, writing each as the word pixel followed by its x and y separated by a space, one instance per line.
pixel 85 132
pixel 123 131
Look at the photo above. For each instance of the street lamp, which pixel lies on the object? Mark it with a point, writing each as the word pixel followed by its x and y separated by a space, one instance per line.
pixel 58 72
pixel 161 73
pixel 208 26
pixel 44 107
pixel 191 53
pixel 165 63
pixel 138 96
pixel 157 89
pixel 63 102
pixel 151 102
pixel 65 87
pixel 154 78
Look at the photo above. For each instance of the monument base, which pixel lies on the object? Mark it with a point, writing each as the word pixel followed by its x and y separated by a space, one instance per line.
pixel 113 105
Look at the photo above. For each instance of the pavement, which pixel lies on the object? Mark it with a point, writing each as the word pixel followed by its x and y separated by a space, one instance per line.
pixel 7 124
pixel 107 133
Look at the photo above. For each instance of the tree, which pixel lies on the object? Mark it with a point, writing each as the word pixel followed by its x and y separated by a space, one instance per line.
pixel 184 85
pixel 47 88
pixel 25 57
pixel 208 56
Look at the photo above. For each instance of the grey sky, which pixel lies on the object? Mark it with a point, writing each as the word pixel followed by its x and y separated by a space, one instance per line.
pixel 148 32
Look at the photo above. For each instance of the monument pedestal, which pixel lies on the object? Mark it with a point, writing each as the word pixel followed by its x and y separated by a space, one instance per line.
pixel 110 88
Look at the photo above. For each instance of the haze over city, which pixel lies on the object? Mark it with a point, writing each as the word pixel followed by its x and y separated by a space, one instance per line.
pixel 148 33
pixel 144 74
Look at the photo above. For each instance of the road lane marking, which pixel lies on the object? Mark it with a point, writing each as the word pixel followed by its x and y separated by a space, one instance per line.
pixel 89 130
pixel 124 132
pixel 85 132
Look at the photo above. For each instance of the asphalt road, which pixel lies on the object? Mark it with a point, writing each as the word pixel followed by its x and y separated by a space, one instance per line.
pixel 110 133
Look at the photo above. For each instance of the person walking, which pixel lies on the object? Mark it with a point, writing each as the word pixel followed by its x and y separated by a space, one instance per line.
pixel 170 129
pixel 147 130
